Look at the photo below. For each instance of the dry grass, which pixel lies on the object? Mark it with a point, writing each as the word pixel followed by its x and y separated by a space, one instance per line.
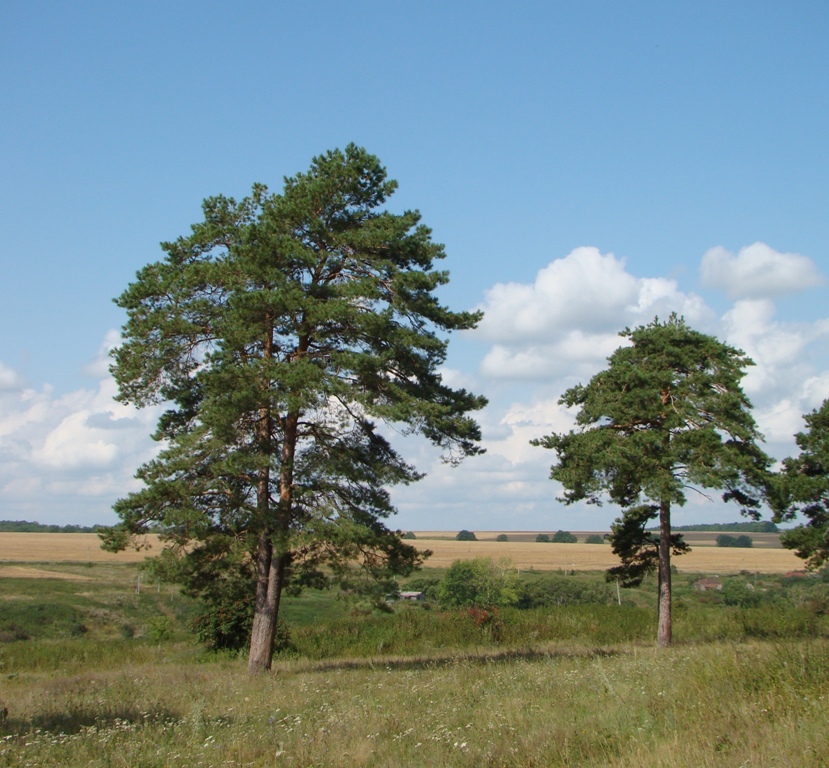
pixel 598 557
pixel 66 547
pixel 24 572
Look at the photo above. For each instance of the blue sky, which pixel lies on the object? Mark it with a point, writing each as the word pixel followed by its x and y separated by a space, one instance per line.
pixel 587 164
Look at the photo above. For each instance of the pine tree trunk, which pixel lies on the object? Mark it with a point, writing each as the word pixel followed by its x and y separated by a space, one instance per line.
pixel 264 616
pixel 663 632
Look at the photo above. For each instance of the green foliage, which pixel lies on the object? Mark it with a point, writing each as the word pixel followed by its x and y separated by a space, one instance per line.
pixel 281 332
pixel 638 548
pixel 479 582
pixel 755 526
pixel 502 537
pixel 465 535
pixel 408 536
pixel 545 590
pixel 743 541
pixel 741 593
pixel 24 526
pixel 543 538
pixel 594 538
pixel 564 537
pixel 802 488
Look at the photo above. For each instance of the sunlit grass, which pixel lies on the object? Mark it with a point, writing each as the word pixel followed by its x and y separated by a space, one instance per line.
pixel 714 705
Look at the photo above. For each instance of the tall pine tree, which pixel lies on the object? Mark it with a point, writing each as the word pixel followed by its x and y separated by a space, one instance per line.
pixel 280 332
pixel 666 416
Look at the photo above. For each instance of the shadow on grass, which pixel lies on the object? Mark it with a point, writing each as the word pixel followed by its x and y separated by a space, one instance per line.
pixel 75 721
pixel 429 662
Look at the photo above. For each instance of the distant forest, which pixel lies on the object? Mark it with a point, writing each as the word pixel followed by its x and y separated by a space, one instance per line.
pixel 758 527
pixel 24 526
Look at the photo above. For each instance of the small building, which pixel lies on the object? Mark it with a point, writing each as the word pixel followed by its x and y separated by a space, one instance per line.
pixel 704 585
pixel 412 596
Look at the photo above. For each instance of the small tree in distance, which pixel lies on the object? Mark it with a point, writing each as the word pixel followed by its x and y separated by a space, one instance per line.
pixel 502 537
pixel 594 538
pixel 666 415
pixel 543 538
pixel 564 537
pixel 465 535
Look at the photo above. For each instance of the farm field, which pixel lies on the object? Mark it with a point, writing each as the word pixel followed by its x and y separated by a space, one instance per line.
pixel 66 547
pixel 703 558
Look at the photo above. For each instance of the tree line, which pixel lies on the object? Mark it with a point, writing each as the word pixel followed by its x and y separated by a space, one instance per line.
pixel 290 334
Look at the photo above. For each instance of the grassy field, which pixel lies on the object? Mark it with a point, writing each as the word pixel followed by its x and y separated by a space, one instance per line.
pixel 102 675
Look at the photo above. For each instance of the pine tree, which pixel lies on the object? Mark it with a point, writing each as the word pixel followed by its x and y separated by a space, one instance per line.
pixel 667 415
pixel 280 332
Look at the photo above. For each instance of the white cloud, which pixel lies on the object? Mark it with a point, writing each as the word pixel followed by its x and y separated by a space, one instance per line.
pixel 68 458
pixel 10 380
pixel 568 320
pixel 99 367
pixel 758 271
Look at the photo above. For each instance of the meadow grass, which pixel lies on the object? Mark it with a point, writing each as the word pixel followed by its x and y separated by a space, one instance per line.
pixel 720 704
pixel 571 685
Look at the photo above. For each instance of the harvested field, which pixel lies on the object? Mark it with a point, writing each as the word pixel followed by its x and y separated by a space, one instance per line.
pixel 85 547
pixel 66 547
pixel 596 557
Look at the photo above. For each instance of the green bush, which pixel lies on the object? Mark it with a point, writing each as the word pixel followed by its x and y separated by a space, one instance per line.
pixel 478 583
pixel 542 537
pixel 502 537
pixel 466 536
pixel 564 537
pixel 594 538
pixel 726 540
pixel 408 535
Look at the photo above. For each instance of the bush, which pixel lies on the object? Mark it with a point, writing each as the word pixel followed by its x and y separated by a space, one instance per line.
pixel 502 537
pixel 542 537
pixel 478 583
pixel 564 537
pixel 466 536
pixel 594 538
pixel 408 535
pixel 726 540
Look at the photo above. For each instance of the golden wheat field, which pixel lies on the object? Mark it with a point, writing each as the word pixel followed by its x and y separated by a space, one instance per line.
pixel 85 547
pixel 66 547
pixel 598 557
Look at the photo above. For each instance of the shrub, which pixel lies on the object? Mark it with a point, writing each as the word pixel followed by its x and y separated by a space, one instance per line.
pixel 408 535
pixel 502 537
pixel 594 538
pixel 478 583
pixel 726 540
pixel 542 537
pixel 564 537
pixel 466 536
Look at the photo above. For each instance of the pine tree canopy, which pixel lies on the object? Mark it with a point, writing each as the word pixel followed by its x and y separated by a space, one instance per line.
pixel 803 488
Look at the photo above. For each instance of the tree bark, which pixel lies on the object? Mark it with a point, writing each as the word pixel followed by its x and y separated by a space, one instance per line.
pixel 663 632
pixel 264 619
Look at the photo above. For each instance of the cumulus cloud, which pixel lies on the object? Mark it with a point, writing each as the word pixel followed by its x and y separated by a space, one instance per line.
pixel 10 380
pixel 67 458
pixel 758 271
pixel 569 318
